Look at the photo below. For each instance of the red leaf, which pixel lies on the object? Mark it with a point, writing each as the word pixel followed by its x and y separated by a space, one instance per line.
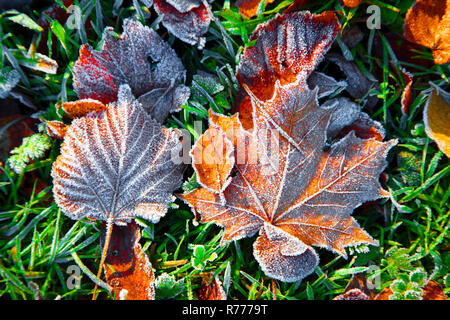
pixel 98 74
pixel 127 267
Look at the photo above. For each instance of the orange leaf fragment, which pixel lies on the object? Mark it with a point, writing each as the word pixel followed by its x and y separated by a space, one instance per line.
pixel 128 269
pixel 213 159
pixel 211 288
pixel 428 23
pixel 56 129
pixel 351 3
pixel 81 108
pixel 436 117
pixel 248 8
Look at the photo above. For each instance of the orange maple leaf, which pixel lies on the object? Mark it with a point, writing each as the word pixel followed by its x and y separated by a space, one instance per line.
pixel 289 183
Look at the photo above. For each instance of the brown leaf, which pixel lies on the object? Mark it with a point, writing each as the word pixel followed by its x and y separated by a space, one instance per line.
pixel 248 8
pixel 211 288
pixel 288 183
pixel 212 145
pixel 127 267
pixel 428 23
pixel 406 98
pixel 278 58
pixel 436 117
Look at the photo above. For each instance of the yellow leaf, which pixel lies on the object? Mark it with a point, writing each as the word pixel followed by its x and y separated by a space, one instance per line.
pixel 436 117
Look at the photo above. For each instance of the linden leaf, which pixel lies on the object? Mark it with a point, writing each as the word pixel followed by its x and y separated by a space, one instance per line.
pixel 298 175
pixel 117 164
pixel 436 117
pixel 128 270
pixel 188 20
pixel 124 60
pixel 427 23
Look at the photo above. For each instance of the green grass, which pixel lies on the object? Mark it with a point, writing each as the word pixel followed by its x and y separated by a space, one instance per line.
pixel 38 243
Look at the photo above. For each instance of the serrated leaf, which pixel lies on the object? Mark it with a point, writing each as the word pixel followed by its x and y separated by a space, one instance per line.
pixel 288 183
pixel 188 20
pixel 128 269
pixel 117 164
pixel 124 60
pixel 436 117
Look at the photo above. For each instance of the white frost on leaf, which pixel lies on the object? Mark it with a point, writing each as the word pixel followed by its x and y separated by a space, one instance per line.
pixel 117 162
pixel 125 60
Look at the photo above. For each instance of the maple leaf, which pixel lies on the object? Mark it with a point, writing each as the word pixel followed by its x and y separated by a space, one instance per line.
pixel 427 23
pixel 188 20
pixel 288 182
pixel 128 270
pixel 287 49
pixel 117 163
pixel 124 60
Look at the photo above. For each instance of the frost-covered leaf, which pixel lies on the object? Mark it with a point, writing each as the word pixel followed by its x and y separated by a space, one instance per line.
pixel 80 108
pixel 326 84
pixel 287 49
pixel 188 20
pixel 298 175
pixel 436 117
pixel 56 129
pixel 117 163
pixel 128 269
pixel 8 80
pixel 427 23
pixel 32 147
pixel 124 60
pixel 358 85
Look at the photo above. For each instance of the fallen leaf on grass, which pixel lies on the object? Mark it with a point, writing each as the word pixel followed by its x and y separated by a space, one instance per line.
pixel 117 163
pixel 428 23
pixel 188 20
pixel 211 288
pixel 98 74
pixel 288 183
pixel 357 289
pixel 436 117
pixel 128 269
